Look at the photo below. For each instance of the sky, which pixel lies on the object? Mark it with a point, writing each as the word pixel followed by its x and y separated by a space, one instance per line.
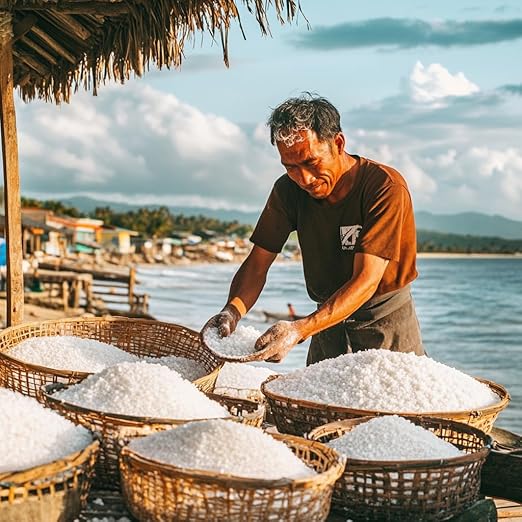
pixel 433 89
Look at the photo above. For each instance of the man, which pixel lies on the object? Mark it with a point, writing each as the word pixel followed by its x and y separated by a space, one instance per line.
pixel 355 224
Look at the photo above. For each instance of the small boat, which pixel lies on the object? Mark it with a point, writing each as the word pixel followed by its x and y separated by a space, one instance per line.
pixel 282 316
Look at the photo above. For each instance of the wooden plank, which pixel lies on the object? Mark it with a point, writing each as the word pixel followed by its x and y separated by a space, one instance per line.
pixel 40 50
pixel 23 26
pixel 70 23
pixel 81 8
pixel 54 45
pixel 39 67
pixel 13 215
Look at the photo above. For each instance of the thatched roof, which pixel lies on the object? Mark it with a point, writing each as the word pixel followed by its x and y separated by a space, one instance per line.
pixel 61 45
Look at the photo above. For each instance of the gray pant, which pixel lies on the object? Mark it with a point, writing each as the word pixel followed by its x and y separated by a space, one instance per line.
pixel 388 323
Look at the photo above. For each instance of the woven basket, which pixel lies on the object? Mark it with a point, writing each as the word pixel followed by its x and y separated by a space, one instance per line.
pixel 115 430
pixel 155 491
pixel 141 337
pixel 410 490
pixel 49 493
pixel 298 417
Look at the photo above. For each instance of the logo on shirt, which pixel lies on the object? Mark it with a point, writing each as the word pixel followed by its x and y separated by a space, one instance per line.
pixel 349 235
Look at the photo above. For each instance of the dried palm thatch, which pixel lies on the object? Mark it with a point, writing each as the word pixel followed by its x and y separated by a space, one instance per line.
pixel 62 45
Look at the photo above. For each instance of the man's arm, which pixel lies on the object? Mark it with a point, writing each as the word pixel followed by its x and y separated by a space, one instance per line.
pixel 284 335
pixel 250 279
pixel 247 284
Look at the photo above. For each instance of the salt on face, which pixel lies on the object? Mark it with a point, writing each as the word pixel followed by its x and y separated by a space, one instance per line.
pixel 32 435
pixel 224 447
pixel 68 352
pixel 385 381
pixel 144 390
pixel 239 343
pixel 241 380
pixel 393 438
pixel 189 369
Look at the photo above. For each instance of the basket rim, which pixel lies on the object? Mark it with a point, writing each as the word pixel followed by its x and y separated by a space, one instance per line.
pixel 46 393
pixel 59 372
pixel 406 465
pixel 16 478
pixel 334 471
pixel 498 389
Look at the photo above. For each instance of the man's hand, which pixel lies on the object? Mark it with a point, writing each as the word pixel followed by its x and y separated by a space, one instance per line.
pixel 225 322
pixel 279 340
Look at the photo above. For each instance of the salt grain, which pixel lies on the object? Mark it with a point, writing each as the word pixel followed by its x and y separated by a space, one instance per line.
pixel 239 343
pixel 144 390
pixel 224 447
pixel 241 380
pixel 385 381
pixel 32 435
pixel 67 352
pixel 393 438
pixel 189 369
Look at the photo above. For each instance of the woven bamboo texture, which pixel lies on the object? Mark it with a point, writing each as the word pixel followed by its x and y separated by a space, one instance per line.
pixel 410 490
pixel 155 491
pixel 55 491
pixel 298 417
pixel 140 337
pixel 115 431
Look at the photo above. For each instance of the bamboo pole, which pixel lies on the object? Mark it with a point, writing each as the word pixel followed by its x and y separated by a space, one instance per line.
pixel 13 219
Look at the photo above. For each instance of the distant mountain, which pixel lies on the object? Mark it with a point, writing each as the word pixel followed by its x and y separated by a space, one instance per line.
pixel 85 204
pixel 464 223
pixel 470 223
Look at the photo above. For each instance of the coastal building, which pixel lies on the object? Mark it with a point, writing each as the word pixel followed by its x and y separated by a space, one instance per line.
pixel 116 239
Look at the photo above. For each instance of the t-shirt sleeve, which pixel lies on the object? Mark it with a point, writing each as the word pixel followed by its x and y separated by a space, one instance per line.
pixel 277 219
pixel 384 215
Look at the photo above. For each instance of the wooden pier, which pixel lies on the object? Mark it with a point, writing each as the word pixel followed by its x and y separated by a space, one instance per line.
pixel 92 288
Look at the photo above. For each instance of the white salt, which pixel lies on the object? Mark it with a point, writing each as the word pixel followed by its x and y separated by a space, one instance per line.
pixel 239 343
pixel 31 435
pixel 393 438
pixel 67 352
pixel 224 447
pixel 241 380
pixel 189 369
pixel 385 381
pixel 144 390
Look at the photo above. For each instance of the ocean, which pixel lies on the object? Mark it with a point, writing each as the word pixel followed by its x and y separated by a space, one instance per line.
pixel 470 311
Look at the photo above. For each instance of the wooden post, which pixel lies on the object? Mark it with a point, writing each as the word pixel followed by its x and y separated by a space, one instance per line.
pixel 65 295
pixel 132 283
pixel 13 220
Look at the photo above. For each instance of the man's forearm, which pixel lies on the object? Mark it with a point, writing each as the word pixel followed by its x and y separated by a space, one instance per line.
pixel 368 271
pixel 250 280
pixel 338 307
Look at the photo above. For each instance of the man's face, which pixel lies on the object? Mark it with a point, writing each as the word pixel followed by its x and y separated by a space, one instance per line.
pixel 314 165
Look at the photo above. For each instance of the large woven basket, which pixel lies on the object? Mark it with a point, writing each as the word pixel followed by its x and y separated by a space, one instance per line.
pixel 155 491
pixel 141 337
pixel 410 490
pixel 115 430
pixel 298 417
pixel 53 492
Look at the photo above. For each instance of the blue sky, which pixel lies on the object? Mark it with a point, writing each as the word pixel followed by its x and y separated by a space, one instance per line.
pixel 431 88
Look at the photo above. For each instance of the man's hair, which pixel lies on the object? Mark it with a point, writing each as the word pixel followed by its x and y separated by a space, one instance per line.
pixel 307 112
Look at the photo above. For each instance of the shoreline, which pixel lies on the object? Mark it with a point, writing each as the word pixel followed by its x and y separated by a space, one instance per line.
pixel 462 255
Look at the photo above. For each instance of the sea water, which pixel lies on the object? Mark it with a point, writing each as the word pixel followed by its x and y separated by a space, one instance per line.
pixel 470 311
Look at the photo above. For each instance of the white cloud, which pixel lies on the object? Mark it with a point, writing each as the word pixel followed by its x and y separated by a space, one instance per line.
pixel 433 83
pixel 142 142
pixel 421 184
pixel 464 156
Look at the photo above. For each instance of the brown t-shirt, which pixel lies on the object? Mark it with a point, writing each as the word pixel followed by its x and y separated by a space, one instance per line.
pixel 376 217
